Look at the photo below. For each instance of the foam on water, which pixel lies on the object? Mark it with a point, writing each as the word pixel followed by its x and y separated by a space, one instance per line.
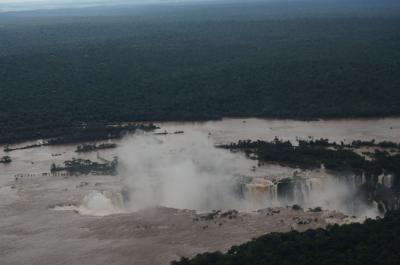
pixel 97 203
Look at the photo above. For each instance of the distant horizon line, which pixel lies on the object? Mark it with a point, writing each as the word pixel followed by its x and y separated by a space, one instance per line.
pixel 10 6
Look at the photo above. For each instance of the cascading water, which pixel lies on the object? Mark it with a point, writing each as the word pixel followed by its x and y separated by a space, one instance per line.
pixel 386 180
pixel 97 203
pixel 260 192
pixel 326 191
pixel 101 203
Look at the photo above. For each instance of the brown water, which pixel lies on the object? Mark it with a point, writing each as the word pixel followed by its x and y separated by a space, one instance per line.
pixel 232 130
pixel 38 160
pixel 30 233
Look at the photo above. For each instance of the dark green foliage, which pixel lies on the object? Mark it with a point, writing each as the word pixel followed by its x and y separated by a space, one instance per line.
pixel 71 134
pixel 296 207
pixel 5 160
pixel 84 148
pixel 81 166
pixel 54 76
pixel 316 209
pixel 371 243
pixel 97 132
pixel 9 149
pixel 314 153
pixel 372 143
pixel 308 155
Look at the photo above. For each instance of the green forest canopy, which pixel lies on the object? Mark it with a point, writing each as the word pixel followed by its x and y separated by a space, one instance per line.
pixel 58 72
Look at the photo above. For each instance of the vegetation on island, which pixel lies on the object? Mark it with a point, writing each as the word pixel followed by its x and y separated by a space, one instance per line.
pixel 5 160
pixel 10 149
pixel 315 153
pixel 324 142
pixel 84 166
pixel 84 148
pixel 373 242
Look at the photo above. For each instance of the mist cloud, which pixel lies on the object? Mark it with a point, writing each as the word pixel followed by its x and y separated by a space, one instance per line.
pixel 180 171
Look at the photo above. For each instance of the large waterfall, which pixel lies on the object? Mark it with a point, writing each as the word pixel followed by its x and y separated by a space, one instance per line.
pixel 323 190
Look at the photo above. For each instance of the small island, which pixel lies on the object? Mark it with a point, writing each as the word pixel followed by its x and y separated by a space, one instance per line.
pixel 5 160
pixel 85 148
pixel 82 166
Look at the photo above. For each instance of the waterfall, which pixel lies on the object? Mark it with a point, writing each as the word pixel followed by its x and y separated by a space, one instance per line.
pixel 97 203
pixel 386 180
pixel 309 191
pixel 261 192
pixel 101 203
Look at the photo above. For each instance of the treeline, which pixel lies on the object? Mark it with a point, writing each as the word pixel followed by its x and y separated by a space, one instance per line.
pixel 314 153
pixel 73 134
pixel 324 142
pixel 121 69
pixel 84 148
pixel 306 155
pixel 373 242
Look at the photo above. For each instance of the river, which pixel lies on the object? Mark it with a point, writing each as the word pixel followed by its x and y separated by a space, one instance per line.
pixel 190 170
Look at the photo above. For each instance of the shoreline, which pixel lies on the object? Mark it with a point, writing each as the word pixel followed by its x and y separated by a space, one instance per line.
pixel 203 122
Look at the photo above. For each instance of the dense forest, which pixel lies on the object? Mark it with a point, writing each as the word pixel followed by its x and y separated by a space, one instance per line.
pixel 335 157
pixel 57 72
pixel 374 242
pixel 71 133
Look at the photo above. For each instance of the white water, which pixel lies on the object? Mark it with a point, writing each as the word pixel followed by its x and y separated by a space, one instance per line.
pixel 181 171
pixel 187 164
pixel 323 190
pixel 97 203
pixel 186 171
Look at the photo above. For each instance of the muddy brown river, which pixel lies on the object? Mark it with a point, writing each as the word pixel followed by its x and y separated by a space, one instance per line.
pixel 50 219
